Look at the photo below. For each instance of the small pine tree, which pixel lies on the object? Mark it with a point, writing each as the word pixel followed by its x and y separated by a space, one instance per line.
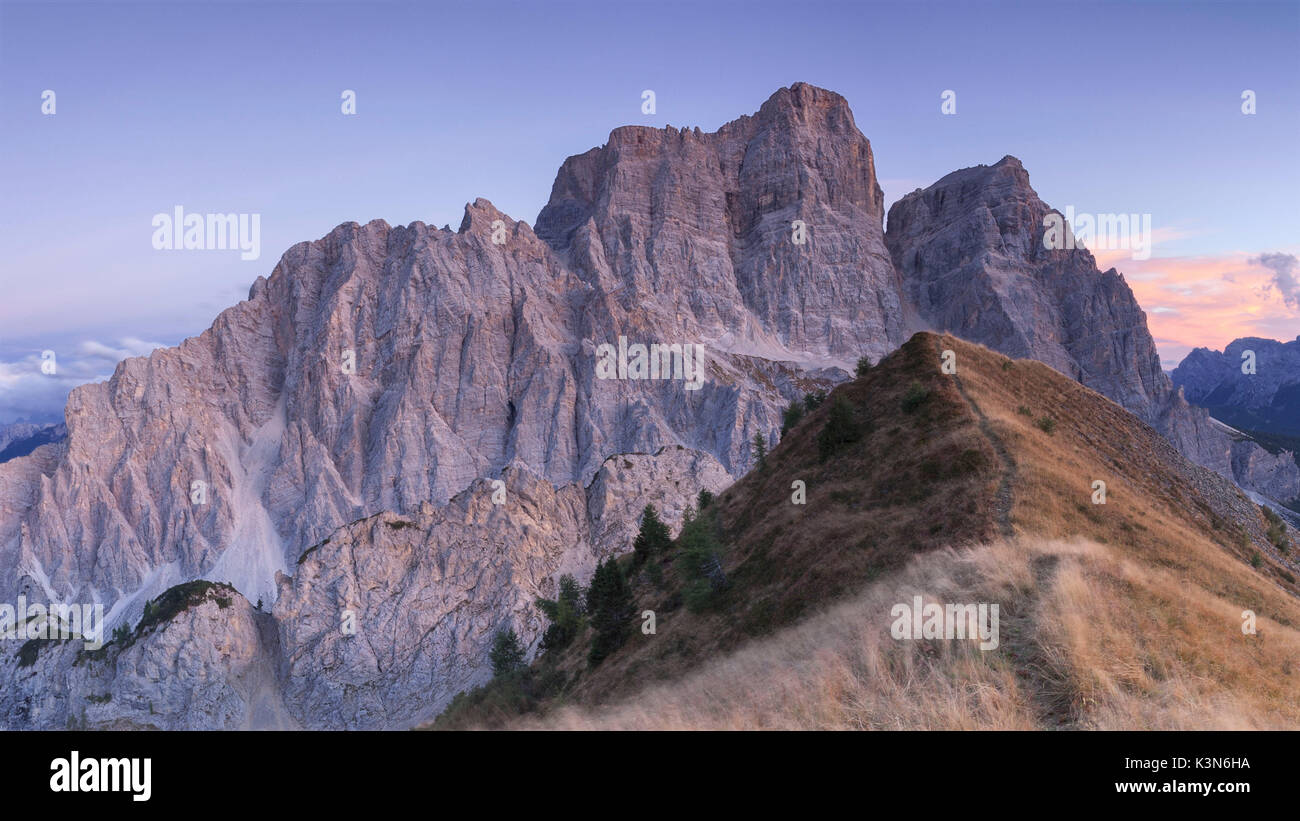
pixel 864 366
pixel 705 498
pixel 812 400
pixel 840 428
pixel 699 556
pixel 653 537
pixel 570 593
pixel 791 417
pixel 597 591
pixel 564 613
pixel 759 451
pixel 507 653
pixel 610 603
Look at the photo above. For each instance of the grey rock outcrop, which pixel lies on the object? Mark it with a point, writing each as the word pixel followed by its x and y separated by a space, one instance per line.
pixel 209 667
pixel 424 593
pixel 699 227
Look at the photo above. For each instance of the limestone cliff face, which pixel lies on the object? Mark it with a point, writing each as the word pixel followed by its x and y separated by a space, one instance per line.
pixel 698 227
pixel 381 367
pixel 331 443
pixel 425 592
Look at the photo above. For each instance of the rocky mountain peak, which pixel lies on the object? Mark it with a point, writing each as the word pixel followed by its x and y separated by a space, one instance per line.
pixel 703 227
pixel 970 250
pixel 480 215
pixel 809 108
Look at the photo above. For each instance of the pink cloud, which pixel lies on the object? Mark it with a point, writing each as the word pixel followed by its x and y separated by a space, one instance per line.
pixel 1207 301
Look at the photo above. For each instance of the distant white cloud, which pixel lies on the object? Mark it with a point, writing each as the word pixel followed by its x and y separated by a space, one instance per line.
pixel 1285 268
pixel 28 392
pixel 129 347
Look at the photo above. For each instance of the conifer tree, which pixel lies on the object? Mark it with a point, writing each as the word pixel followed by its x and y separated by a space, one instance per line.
pixel 791 417
pixel 609 601
pixel 760 451
pixel 564 613
pixel 653 537
pixel 507 653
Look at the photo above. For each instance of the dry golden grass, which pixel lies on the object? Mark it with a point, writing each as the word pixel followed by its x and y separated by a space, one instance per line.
pixel 1088 640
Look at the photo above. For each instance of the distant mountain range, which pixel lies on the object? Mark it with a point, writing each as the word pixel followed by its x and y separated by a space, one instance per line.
pixel 1266 400
pixel 21 438
pixel 413 428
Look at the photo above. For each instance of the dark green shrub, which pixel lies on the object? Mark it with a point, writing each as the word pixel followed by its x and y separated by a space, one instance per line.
pixel 791 417
pixel 914 397
pixel 1276 530
pixel 841 428
pixel 969 461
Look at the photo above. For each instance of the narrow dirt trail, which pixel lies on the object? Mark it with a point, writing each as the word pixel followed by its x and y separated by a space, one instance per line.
pixel 1003 500
pixel 1047 690
pixel 1041 682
